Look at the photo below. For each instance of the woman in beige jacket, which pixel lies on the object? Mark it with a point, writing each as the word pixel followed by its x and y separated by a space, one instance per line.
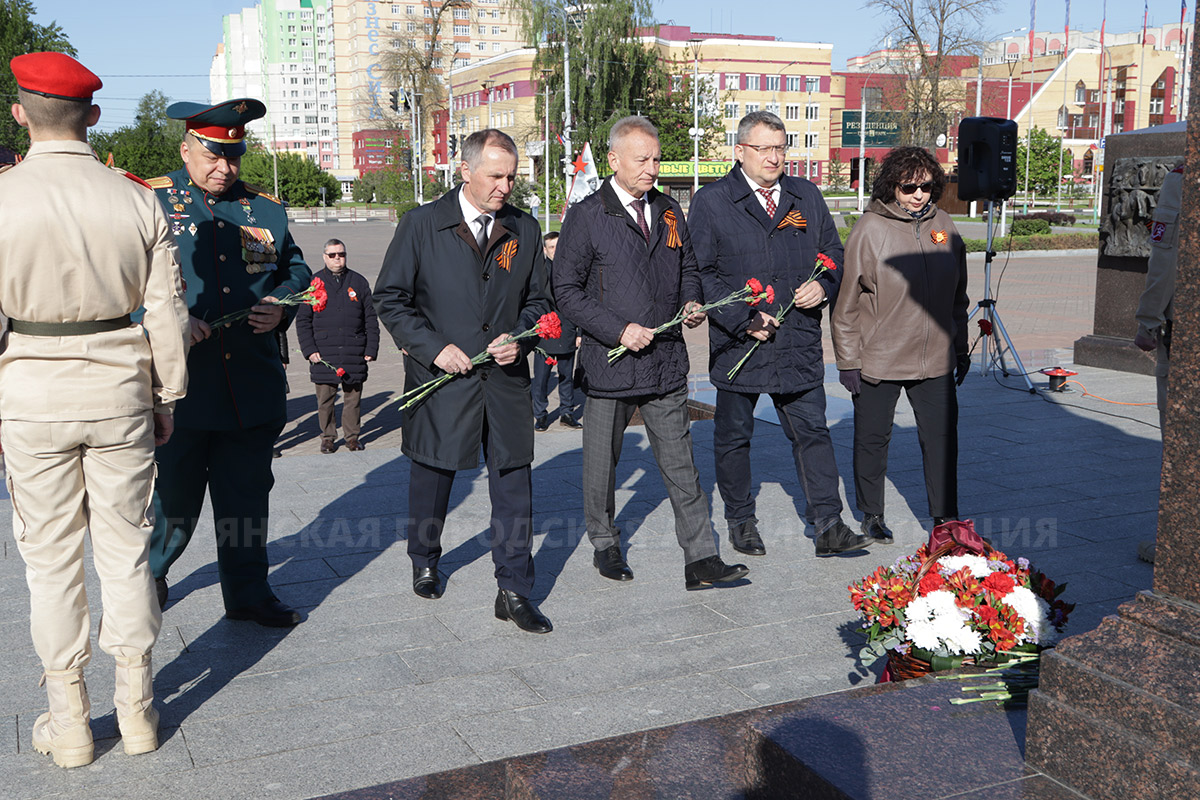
pixel 901 323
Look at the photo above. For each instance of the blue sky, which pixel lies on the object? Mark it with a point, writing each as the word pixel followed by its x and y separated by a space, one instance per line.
pixel 139 46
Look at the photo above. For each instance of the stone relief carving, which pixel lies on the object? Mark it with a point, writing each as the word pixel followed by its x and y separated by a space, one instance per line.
pixel 1124 231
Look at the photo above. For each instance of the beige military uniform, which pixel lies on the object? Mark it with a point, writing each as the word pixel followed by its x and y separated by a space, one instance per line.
pixel 79 243
pixel 1155 310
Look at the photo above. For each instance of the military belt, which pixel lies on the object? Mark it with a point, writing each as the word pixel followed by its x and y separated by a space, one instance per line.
pixel 69 328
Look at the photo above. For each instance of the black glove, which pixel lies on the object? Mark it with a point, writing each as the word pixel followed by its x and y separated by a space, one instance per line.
pixel 961 370
pixel 851 379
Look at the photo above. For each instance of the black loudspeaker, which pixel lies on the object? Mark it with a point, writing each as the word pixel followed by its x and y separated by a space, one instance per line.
pixel 987 158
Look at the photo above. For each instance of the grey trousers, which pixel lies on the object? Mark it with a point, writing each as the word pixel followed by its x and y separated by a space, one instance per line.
pixel 666 418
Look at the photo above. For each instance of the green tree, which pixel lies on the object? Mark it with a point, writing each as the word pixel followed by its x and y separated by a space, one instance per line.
pixel 1048 158
pixel 300 179
pixel 150 146
pixel 19 34
pixel 610 67
pixel 670 107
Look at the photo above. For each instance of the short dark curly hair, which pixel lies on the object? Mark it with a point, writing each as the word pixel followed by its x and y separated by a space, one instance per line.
pixel 903 165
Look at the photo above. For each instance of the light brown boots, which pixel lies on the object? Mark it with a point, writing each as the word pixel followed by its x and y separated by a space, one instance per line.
pixel 134 698
pixel 64 731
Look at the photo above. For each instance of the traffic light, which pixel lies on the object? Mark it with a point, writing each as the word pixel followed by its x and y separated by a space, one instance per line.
pixel 453 145
pixel 395 95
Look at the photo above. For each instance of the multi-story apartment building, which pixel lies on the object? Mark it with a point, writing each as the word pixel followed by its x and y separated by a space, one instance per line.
pixel 281 51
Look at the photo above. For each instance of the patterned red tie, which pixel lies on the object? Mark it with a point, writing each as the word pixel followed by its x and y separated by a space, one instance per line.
pixel 767 195
pixel 638 206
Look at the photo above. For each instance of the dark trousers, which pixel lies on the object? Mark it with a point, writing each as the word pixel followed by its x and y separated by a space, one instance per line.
pixel 511 534
pixel 802 416
pixel 935 406
pixel 351 399
pixel 667 421
pixel 569 397
pixel 235 468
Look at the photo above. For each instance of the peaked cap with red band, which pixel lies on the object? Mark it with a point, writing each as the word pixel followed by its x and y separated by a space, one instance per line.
pixel 55 75
pixel 220 128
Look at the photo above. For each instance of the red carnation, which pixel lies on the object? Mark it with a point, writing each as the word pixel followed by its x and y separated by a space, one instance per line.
pixel 551 361
pixel 985 327
pixel 770 294
pixel 930 583
pixel 987 614
pixel 755 286
pixel 549 326
pixel 341 373
pixel 826 261
pixel 998 583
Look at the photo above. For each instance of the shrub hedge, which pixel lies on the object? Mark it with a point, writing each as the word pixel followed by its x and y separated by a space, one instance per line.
pixel 1030 227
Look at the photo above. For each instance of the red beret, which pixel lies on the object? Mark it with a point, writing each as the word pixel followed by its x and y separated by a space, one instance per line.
pixel 54 75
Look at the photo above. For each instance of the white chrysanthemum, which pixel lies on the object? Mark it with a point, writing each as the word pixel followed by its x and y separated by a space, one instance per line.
pixel 977 564
pixel 935 622
pixel 1036 613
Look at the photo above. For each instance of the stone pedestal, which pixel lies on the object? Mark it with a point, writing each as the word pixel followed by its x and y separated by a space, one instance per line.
pixel 1118 712
pixel 1121 278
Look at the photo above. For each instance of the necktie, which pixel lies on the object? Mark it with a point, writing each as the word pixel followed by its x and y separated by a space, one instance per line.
pixel 766 193
pixel 481 238
pixel 638 207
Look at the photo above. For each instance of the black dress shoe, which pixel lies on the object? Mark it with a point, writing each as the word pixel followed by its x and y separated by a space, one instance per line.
pixel 612 564
pixel 874 527
pixel 510 605
pixel 568 421
pixel 838 538
pixel 269 613
pixel 708 571
pixel 542 423
pixel 426 582
pixel 745 539
pixel 160 588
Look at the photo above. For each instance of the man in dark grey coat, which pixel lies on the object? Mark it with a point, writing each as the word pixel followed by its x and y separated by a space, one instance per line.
pixel 624 266
pixel 460 276
pixel 757 222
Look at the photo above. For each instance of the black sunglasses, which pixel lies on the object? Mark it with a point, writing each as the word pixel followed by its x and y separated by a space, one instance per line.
pixel 336 255
pixel 911 188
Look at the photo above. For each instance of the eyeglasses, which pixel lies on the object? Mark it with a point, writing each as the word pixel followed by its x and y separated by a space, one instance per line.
pixel 767 149
pixel 911 188
pixel 336 255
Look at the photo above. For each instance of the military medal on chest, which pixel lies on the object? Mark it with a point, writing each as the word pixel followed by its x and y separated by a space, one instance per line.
pixel 258 249
pixel 249 211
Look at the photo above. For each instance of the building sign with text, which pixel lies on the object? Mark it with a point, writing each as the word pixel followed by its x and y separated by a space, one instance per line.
pixel 683 169
pixel 883 128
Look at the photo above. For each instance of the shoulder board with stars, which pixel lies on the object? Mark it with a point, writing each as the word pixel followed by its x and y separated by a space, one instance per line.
pixel 252 189
pixel 161 182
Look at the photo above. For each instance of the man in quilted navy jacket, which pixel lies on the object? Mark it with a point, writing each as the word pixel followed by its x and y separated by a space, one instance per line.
pixel 339 341
pixel 757 222
pixel 625 266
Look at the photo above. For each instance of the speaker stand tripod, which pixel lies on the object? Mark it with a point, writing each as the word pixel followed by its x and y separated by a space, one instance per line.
pixel 987 306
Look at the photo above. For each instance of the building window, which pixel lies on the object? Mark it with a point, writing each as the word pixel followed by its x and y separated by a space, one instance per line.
pixel 495 30
pixel 772 83
pixel 793 141
pixel 731 111
pixel 812 84
pixel 496 47
pixel 1093 120
pixel 792 111
pixel 810 139
pixel 480 46
pixel 772 108
pixel 872 98
pixel 412 27
pixel 1063 117
pixel 752 107
pixel 1094 96
pixel 752 82
pixel 1156 105
pixel 730 138
pixel 812 111
pixel 733 80
pixel 1080 93
pixel 462 30
pixel 462 13
pixel 793 83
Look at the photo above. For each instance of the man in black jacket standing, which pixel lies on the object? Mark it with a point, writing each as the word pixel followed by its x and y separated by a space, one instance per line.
pixel 625 266
pixel 757 222
pixel 461 275
pixel 561 356
pixel 339 341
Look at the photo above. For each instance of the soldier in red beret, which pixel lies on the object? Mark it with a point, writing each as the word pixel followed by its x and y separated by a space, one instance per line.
pixel 85 394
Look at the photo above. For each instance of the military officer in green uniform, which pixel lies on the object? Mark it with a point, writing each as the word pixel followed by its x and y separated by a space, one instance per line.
pixel 236 253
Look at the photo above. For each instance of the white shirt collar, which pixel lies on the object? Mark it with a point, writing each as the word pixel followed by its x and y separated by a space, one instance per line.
pixel 626 198
pixel 755 186
pixel 471 213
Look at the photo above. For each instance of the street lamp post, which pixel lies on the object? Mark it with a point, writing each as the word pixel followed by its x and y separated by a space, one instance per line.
pixel 695 131
pixel 808 138
pixel 546 149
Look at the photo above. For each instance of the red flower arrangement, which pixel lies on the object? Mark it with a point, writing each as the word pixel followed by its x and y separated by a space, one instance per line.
pixel 751 293
pixel 972 602
pixel 548 326
pixel 824 264
pixel 314 295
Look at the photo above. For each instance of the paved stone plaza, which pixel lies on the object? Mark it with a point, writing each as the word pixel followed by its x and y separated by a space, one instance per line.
pixel 379 685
